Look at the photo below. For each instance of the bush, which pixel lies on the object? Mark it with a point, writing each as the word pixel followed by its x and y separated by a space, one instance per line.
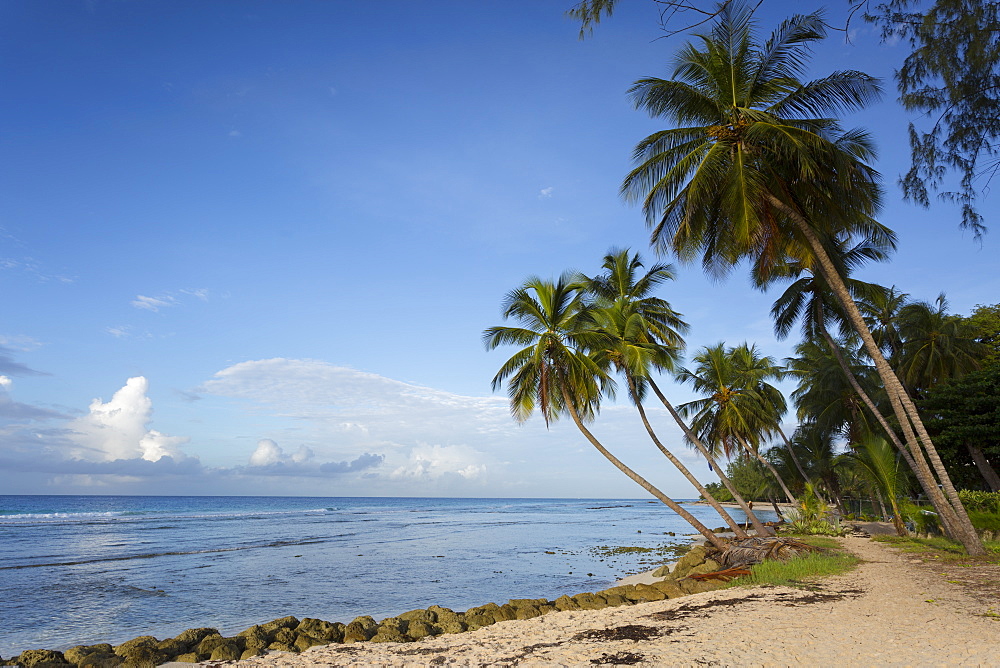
pixel 985 521
pixel 975 500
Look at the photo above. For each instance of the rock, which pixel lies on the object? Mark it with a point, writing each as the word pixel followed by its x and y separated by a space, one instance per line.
pixel 443 614
pixel 522 602
pixel 669 588
pixel 76 654
pixel 305 641
pixel 646 593
pixel 317 628
pixel 662 571
pixel 100 660
pixel 479 621
pixel 141 650
pixel 418 629
pixel 389 634
pixel 698 586
pixel 282 647
pixel 588 601
pixel 283 623
pixel 172 647
pixel 228 650
pixel 709 566
pixel 360 629
pixel 695 556
pixel 564 602
pixel 614 600
pixel 284 636
pixel 482 609
pixel 428 616
pixel 527 612
pixel 192 637
pixel 207 645
pixel 453 626
pixel 255 638
pixel 505 613
pixel 37 657
pixel 190 657
pixel 249 653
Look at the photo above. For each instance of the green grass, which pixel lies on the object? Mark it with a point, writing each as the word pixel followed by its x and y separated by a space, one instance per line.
pixel 949 548
pixel 801 571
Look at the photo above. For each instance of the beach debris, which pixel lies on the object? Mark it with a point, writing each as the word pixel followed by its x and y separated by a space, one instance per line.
pixel 618 659
pixel 758 549
pixel 723 576
pixel 634 632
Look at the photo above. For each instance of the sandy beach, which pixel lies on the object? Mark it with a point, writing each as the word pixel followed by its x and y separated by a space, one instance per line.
pixel 893 610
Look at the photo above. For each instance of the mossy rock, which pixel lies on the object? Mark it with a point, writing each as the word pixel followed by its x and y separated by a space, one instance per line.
pixel 100 660
pixel 453 626
pixel 547 608
pixel 305 641
pixel 420 615
pixel 479 621
pixel 528 602
pixel 418 629
pixel 208 644
pixel 41 657
pixel 172 647
pixel 250 653
pixel 588 601
pixel 695 556
pixel 645 593
pixel 190 657
pixel 620 590
pixel 282 623
pixel 322 630
pixel 482 609
pixel 699 586
pixel 708 566
pixel 141 651
pixel 444 614
pixel 615 600
pixel 389 634
pixel 527 612
pixel 505 613
pixel 141 641
pixel 76 654
pixel 360 629
pixel 255 637
pixel 282 647
pixel 661 572
pixel 564 602
pixel 284 636
pixel 669 588
pixel 228 650
pixel 192 637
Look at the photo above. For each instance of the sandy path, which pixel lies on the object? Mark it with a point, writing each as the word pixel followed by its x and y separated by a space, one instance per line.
pixel 888 612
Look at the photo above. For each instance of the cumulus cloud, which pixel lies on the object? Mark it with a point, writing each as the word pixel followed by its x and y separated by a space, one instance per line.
pixel 434 461
pixel 119 428
pixel 270 459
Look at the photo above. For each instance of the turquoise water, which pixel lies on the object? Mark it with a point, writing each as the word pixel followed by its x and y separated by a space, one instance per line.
pixel 87 569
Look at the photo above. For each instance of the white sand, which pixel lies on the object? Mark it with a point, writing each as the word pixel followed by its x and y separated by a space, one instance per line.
pixel 888 612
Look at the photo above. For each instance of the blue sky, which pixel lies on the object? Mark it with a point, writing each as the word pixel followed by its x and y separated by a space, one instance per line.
pixel 250 247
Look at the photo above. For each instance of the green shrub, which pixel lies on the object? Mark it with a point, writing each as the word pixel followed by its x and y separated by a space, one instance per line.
pixel 985 520
pixel 975 500
pixel 925 521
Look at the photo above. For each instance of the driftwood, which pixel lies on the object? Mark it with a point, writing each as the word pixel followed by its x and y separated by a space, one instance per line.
pixel 755 550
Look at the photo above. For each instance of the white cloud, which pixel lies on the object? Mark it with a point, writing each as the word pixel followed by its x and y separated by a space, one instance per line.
pixel 200 293
pixel 433 461
pixel 5 381
pixel 119 429
pixel 268 452
pixel 236 134
pixel 153 303
pixel 545 193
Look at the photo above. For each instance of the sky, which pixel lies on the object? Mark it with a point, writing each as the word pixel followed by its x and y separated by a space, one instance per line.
pixel 251 247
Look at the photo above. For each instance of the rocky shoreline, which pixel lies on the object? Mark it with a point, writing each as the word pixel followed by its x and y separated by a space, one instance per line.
pixel 290 634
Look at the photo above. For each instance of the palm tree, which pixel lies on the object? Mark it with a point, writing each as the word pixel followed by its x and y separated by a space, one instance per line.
pixel 757 169
pixel 879 464
pixel 644 334
pixel 936 346
pixel 737 407
pixel 553 373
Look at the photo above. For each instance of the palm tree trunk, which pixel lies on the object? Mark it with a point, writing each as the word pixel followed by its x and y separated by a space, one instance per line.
pixel 906 412
pixel 736 528
pixel 791 452
pixel 983 464
pixel 774 472
pixel 747 510
pixel 642 482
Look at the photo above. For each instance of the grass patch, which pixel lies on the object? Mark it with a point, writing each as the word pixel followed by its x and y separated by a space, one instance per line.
pixel 944 547
pixel 801 571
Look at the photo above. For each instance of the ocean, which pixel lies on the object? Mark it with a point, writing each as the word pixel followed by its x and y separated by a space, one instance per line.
pixel 87 569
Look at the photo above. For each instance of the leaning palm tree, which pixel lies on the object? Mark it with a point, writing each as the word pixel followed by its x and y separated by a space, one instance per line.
pixel 647 336
pixel 553 373
pixel 881 467
pixel 735 412
pixel 759 169
pixel 644 334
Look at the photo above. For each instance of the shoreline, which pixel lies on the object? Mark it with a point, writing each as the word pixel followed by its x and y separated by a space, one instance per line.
pixel 910 619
